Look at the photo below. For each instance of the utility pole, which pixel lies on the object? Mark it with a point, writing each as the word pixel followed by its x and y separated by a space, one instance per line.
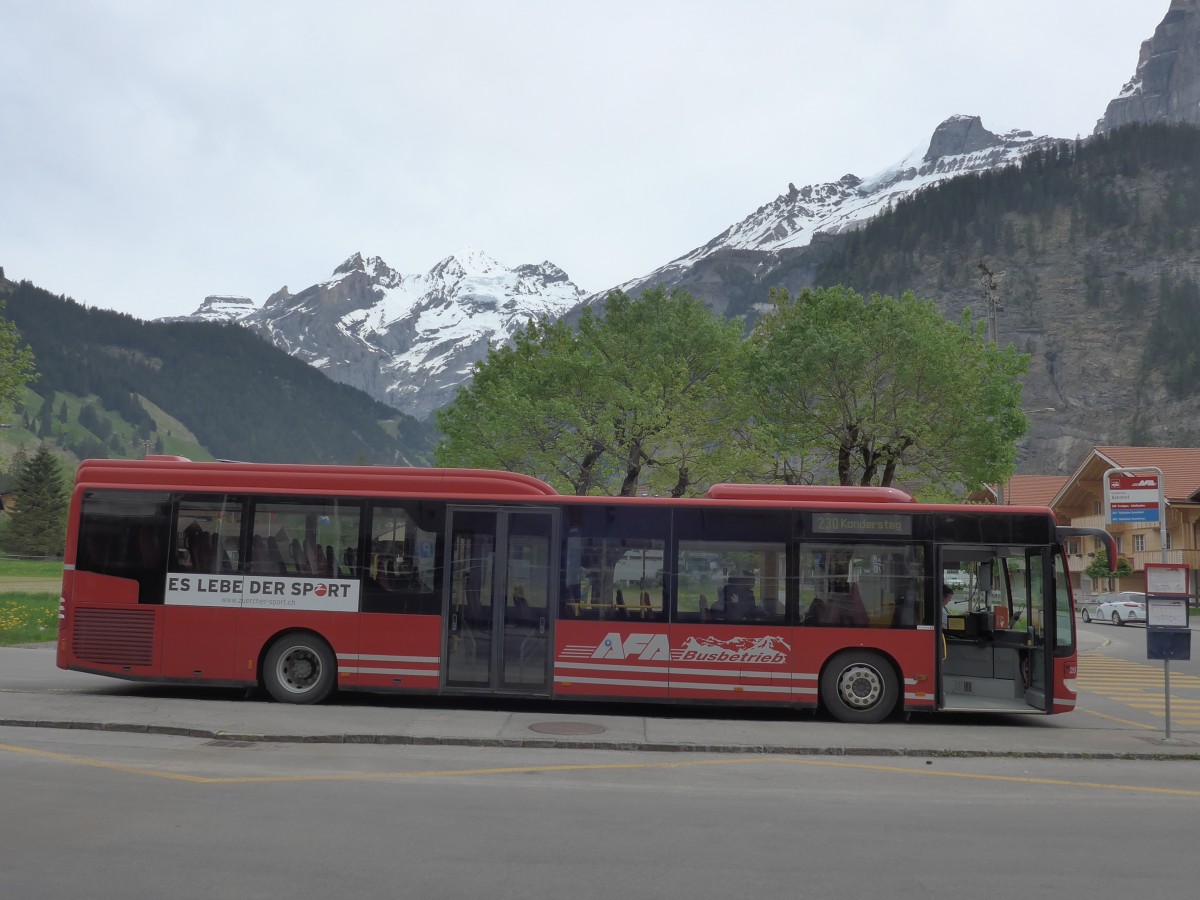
pixel 987 278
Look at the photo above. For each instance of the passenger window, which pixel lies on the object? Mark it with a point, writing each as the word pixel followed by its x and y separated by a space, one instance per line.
pixel 402 567
pixel 613 566
pixel 306 539
pixel 862 585
pixel 207 531
pixel 619 579
pixel 732 582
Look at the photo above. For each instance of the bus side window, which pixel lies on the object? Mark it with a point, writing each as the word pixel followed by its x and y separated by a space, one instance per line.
pixel 401 570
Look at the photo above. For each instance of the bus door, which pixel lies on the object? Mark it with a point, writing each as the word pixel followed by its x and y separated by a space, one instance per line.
pixel 502 565
pixel 994 650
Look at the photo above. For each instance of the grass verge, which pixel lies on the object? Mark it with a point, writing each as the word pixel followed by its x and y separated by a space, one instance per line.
pixel 28 618
pixel 30 568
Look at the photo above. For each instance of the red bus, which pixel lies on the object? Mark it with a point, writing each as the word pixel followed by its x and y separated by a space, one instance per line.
pixel 305 579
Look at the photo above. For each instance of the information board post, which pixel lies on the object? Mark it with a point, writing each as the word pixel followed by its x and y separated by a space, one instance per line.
pixel 1168 623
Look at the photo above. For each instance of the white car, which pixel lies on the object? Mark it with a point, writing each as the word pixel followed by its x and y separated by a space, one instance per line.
pixel 1120 609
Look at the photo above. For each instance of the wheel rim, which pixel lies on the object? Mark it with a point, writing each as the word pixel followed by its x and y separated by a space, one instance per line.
pixel 860 686
pixel 298 670
pixel 1116 618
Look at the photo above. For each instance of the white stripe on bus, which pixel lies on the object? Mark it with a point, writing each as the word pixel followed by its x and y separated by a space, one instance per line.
pixel 611 667
pixel 740 688
pixel 675 669
pixel 686 686
pixel 368 657
pixel 624 682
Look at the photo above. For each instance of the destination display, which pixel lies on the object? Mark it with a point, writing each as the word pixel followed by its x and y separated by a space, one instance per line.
pixel 861 523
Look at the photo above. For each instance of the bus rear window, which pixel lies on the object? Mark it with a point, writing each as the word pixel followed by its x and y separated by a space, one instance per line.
pixel 124 534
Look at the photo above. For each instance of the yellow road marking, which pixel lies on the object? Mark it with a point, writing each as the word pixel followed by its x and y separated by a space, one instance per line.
pixel 1013 779
pixel 590 767
pixel 1140 686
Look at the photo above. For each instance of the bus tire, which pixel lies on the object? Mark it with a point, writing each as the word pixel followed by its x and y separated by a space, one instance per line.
pixel 299 668
pixel 859 686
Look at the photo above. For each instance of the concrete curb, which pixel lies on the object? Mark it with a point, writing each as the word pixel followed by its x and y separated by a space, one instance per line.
pixel 574 744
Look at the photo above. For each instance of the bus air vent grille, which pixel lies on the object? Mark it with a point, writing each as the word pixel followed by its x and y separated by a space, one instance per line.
pixel 115 636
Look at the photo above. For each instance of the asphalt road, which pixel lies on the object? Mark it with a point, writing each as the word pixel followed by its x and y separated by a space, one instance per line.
pixel 98 814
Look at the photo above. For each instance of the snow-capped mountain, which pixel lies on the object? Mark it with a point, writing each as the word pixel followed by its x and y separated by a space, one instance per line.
pixel 958 146
pixel 217 308
pixel 408 340
pixel 411 340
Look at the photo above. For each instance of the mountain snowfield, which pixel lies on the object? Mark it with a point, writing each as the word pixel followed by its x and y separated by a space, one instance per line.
pixel 959 145
pixel 411 340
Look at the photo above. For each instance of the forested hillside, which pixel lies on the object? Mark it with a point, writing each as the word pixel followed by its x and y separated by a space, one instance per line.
pixel 1093 249
pixel 1115 221
pixel 240 397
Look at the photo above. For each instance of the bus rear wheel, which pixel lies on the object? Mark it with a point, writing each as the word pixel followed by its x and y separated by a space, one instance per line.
pixel 859 686
pixel 299 668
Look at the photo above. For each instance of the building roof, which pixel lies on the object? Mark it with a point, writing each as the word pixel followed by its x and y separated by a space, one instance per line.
pixel 1180 468
pixel 1022 490
pixel 1033 490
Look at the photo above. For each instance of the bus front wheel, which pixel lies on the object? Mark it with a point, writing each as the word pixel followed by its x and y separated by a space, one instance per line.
pixel 299 668
pixel 859 686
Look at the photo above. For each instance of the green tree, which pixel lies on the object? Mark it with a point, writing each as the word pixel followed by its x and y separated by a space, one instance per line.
pixel 674 375
pixel 16 364
pixel 39 523
pixel 878 390
pixel 529 408
pixel 644 394
pixel 17 460
pixel 1098 569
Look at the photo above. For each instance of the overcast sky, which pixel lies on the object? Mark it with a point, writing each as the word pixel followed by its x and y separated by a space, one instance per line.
pixel 157 151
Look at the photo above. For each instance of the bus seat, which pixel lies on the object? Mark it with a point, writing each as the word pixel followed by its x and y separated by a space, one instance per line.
pixel 855 611
pixel 903 613
pixel 298 557
pixel 275 557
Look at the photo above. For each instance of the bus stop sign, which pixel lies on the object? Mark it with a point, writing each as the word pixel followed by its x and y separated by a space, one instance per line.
pixel 1133 497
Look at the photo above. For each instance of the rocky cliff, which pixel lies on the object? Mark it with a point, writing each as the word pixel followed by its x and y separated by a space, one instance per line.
pixel 1166 85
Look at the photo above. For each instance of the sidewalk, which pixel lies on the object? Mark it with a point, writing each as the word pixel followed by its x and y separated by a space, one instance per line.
pixel 35 694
